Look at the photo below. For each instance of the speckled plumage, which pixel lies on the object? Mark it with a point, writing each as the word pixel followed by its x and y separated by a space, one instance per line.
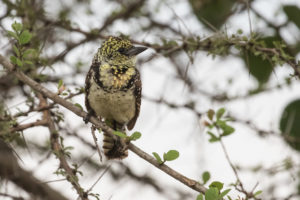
pixel 113 89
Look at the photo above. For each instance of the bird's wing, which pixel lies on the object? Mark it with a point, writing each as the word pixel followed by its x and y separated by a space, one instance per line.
pixel 138 95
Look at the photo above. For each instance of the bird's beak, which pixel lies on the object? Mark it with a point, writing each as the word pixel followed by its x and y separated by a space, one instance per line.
pixel 135 51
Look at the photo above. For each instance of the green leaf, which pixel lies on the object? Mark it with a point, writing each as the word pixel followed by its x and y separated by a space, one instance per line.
pixel 227 130
pixel 257 193
pixel 210 114
pixel 213 137
pixel 13 34
pixel 217 184
pixel 25 37
pixel 28 52
pixel 212 194
pixel 224 193
pixel 157 157
pixel 289 124
pixel 293 14
pixel 135 136
pixel 200 197
pixel 19 62
pixel 220 113
pixel 205 176
pixel 120 134
pixel 60 83
pixel 13 60
pixel 17 26
pixel 28 62
pixel 171 155
pixel 16 50
pixel 78 105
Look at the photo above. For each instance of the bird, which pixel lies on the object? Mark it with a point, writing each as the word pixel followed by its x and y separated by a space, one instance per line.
pixel 113 90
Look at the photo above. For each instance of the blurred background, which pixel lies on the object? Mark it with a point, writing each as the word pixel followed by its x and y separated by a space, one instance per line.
pixel 203 54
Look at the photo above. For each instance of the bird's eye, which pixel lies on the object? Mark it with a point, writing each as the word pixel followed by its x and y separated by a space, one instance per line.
pixel 121 50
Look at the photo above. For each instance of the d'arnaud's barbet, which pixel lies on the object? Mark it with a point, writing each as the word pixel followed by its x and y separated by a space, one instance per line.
pixel 113 90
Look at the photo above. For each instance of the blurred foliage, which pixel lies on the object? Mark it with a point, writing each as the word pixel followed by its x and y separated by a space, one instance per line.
pixel 259 67
pixel 212 13
pixel 293 14
pixel 289 124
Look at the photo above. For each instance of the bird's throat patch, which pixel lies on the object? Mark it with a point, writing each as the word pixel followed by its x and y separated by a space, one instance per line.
pixel 122 76
pixel 116 76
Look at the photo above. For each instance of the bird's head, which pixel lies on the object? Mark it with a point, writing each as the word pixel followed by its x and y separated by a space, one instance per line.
pixel 117 50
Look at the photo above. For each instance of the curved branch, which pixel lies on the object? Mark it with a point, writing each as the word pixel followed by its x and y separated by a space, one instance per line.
pixel 54 97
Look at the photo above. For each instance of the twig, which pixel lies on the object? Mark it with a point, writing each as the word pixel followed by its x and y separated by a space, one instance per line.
pixel 96 144
pixel 101 175
pixel 29 125
pixel 249 195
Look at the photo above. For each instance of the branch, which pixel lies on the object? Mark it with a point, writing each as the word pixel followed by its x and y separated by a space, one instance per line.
pixel 98 124
pixel 28 125
pixel 59 152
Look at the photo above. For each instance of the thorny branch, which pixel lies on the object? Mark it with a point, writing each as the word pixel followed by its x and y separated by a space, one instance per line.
pixel 59 152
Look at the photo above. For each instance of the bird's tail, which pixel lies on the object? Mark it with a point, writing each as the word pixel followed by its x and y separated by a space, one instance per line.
pixel 115 148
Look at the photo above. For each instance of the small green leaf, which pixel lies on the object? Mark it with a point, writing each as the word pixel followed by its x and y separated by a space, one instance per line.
pixel 120 134
pixel 19 62
pixel 60 83
pixel 200 197
pixel 28 52
pixel 28 62
pixel 216 184
pixel 13 60
pixel 213 137
pixel 17 26
pixel 210 114
pixel 171 155
pixel 157 157
pixel 16 50
pixel 135 136
pixel 25 37
pixel 257 193
pixel 78 105
pixel 220 113
pixel 224 193
pixel 228 130
pixel 205 177
pixel 212 194
pixel 13 34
